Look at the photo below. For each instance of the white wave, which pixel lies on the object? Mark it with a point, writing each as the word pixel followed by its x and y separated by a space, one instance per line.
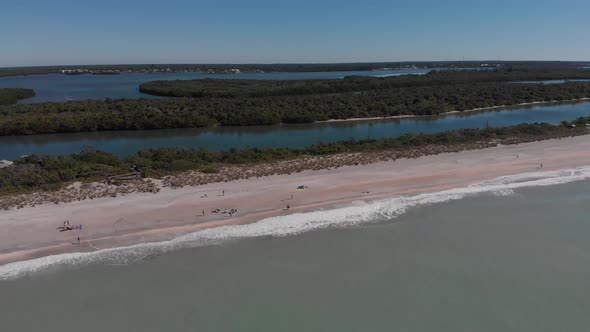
pixel 503 192
pixel 358 213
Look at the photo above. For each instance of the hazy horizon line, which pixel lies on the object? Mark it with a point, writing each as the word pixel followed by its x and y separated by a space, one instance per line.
pixel 288 63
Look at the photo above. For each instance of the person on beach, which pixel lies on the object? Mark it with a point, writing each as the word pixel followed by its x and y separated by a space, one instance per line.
pixel 203 212
pixel 288 206
pixel 66 226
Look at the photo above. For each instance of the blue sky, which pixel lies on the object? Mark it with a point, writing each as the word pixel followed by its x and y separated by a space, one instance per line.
pixel 54 32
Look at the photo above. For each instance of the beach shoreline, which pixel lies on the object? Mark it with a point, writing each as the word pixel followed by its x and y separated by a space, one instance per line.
pixel 136 218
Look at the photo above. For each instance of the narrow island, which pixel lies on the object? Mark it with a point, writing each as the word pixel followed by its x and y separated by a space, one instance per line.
pixel 202 103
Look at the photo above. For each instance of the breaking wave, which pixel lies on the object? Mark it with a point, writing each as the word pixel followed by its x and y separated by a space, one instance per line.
pixel 357 213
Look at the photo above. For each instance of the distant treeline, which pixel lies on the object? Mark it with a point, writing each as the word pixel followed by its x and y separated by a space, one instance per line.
pixel 10 96
pixel 290 67
pixel 232 88
pixel 50 172
pixel 140 114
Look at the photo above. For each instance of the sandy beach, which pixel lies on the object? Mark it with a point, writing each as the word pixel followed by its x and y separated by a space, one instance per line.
pixel 107 222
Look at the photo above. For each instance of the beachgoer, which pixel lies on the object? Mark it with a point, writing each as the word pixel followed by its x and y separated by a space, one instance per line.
pixel 541 165
pixel 291 196
pixel 203 212
pixel 223 193
pixel 288 206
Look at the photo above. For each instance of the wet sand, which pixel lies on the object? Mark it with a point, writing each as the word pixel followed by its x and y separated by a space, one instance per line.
pixel 145 217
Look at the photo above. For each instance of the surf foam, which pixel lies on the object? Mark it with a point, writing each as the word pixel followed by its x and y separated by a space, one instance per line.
pixel 354 214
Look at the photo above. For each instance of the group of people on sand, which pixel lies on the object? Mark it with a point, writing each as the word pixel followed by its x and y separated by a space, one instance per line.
pixel 67 227
pixel 230 212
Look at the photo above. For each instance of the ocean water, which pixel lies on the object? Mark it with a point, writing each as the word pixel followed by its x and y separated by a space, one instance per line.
pixel 511 254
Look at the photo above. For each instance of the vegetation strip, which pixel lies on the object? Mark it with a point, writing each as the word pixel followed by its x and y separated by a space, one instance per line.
pixel 10 96
pixel 233 88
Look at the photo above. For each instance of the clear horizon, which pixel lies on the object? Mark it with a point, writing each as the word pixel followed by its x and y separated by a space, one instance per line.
pixel 65 32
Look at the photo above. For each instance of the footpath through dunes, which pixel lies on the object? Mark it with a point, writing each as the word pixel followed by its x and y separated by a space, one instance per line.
pixel 252 103
pixel 32 232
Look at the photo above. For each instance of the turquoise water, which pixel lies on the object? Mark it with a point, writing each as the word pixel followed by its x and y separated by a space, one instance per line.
pixel 58 87
pixel 222 138
pixel 485 263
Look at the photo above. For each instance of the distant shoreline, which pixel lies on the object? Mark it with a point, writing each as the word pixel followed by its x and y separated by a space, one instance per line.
pixel 230 68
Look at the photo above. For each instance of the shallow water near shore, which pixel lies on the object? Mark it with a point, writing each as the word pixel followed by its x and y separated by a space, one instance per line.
pixel 505 260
